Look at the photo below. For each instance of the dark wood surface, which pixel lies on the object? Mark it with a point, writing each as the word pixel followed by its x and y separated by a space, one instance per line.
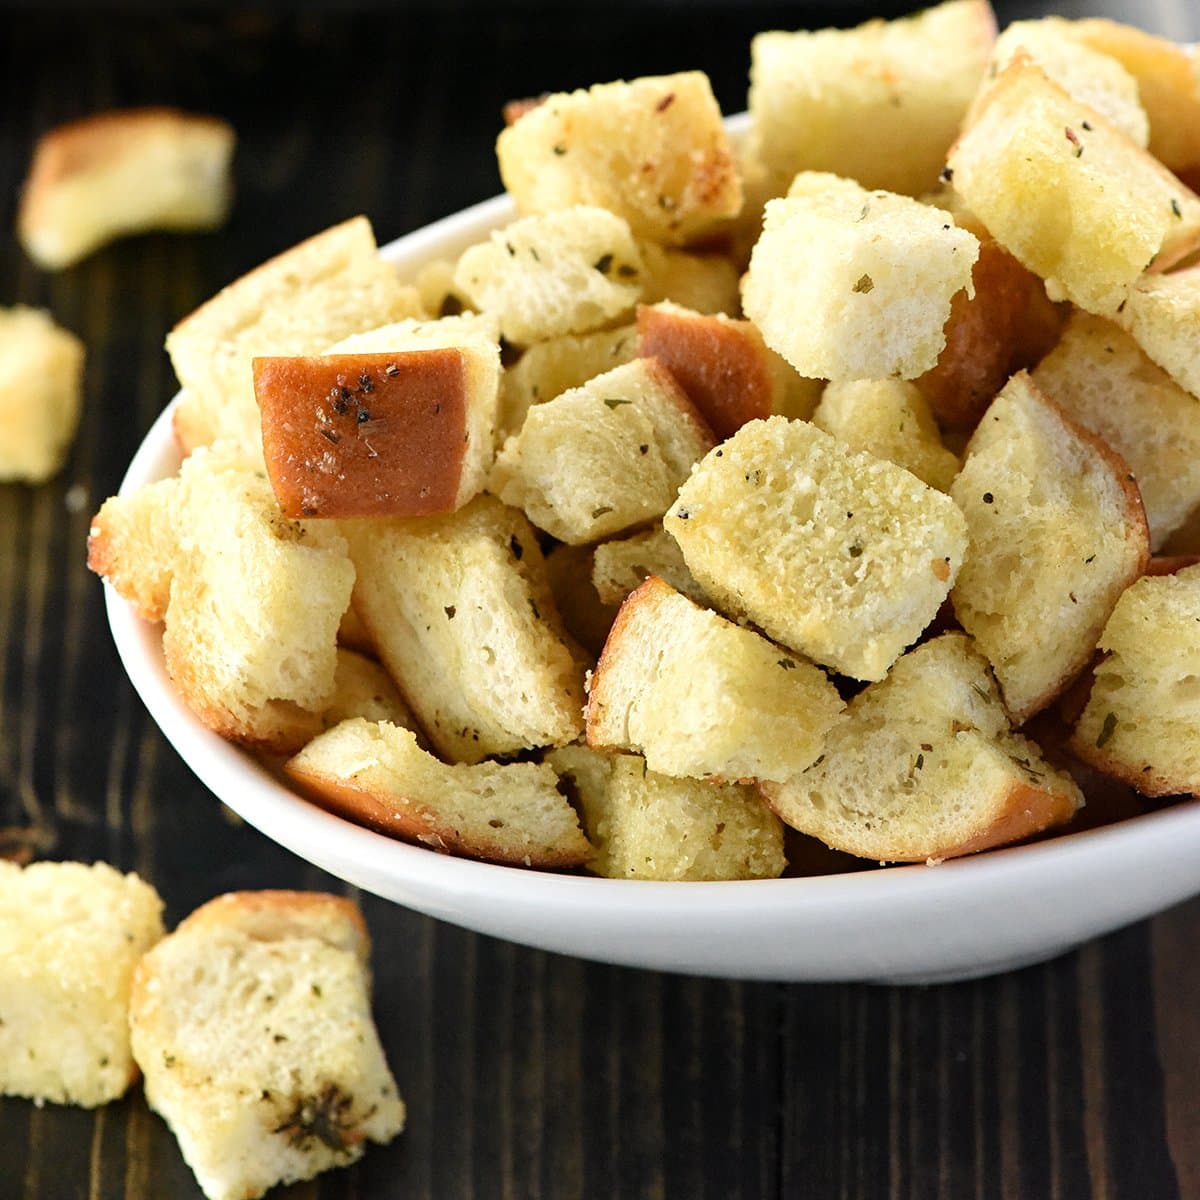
pixel 527 1075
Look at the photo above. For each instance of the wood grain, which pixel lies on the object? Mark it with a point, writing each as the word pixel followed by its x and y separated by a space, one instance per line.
pixel 528 1076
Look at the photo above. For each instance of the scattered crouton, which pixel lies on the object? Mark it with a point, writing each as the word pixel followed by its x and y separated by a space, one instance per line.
pixel 622 566
pixel 1163 314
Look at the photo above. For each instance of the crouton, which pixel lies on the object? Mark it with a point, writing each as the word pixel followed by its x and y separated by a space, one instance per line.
pixel 1163 314
pixel 70 936
pixel 653 151
pixel 890 419
pixel 1102 379
pixel 462 614
pixel 362 688
pixel 435 285
pixel 353 634
pixel 834 553
pixel 123 172
pixel 297 303
pixel 648 826
pixel 763 713
pixel 603 457
pixel 564 272
pixel 1141 724
pixel 41 392
pixel 880 103
pixel 621 567
pixel 925 768
pixel 1057 533
pixel 376 774
pixel 849 284
pixel 1068 194
pixel 252 1025
pixel 706 283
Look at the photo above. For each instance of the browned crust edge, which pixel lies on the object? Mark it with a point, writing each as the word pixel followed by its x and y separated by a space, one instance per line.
pixel 1143 778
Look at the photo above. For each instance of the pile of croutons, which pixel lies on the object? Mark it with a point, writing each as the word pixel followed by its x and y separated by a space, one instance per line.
pixel 730 485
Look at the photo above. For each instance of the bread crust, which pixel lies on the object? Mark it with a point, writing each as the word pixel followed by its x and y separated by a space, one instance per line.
pixel 598 682
pixel 1145 780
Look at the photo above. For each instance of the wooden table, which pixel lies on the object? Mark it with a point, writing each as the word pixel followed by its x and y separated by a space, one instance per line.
pixel 527 1075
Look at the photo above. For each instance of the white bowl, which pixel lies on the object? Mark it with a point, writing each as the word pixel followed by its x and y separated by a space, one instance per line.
pixel 969 917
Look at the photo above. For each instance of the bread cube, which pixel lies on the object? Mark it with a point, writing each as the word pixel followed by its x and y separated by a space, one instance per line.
pixel 122 172
pixel 1102 379
pixel 1088 75
pixel 1057 533
pixel 585 616
pixel 462 615
pixel 41 391
pixel 375 773
pixel 435 285
pixel 297 303
pixel 849 284
pixel 70 936
pixel 603 457
pixel 1163 314
pixel 549 368
pixel 1007 325
pixel 252 1025
pixel 649 826
pixel 706 283
pixel 723 365
pixel 653 151
pixel 880 103
pixel 1168 81
pixel 622 566
pixel 362 688
pixel 1142 723
pixel 1068 194
pixel 834 553
pixel 701 697
pixel 890 419
pixel 925 767
pixel 564 272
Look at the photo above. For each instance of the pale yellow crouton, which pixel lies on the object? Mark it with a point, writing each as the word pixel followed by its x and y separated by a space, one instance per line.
pixel 376 774
pixel 925 767
pixel 622 566
pixel 562 272
pixel 41 391
pixel 880 103
pixel 435 285
pixel 648 826
pixel 653 151
pixel 1068 194
pixel 252 1025
pixel 892 420
pixel 850 284
pixel 585 616
pixel 835 553
pixel 70 937
pixel 362 688
pixel 706 283
pixel 699 696
pixel 1057 533
pixel 603 457
pixel 1142 721
pixel 1163 314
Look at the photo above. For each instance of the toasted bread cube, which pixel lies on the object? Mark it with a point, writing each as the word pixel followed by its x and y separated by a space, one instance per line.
pixel 376 774
pixel 462 614
pixel 41 391
pixel 435 285
pixel 724 366
pixel 890 419
pixel 622 566
pixel 1006 326
pixel 1163 314
pixel 603 457
pixel 1090 76
pixel 926 768
pixel 362 688
pixel 585 616
pixel 834 553
pixel 1068 194
pixel 1058 532
pixel 650 826
pixel 1142 722
pixel 880 103
pixel 123 172
pixel 1098 374
pixel 653 151
pixel 1168 80
pixel 297 303
pixel 849 284
pixel 252 1025
pixel 706 283
pixel 764 714
pixel 549 368
pixel 70 937
pixel 564 272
